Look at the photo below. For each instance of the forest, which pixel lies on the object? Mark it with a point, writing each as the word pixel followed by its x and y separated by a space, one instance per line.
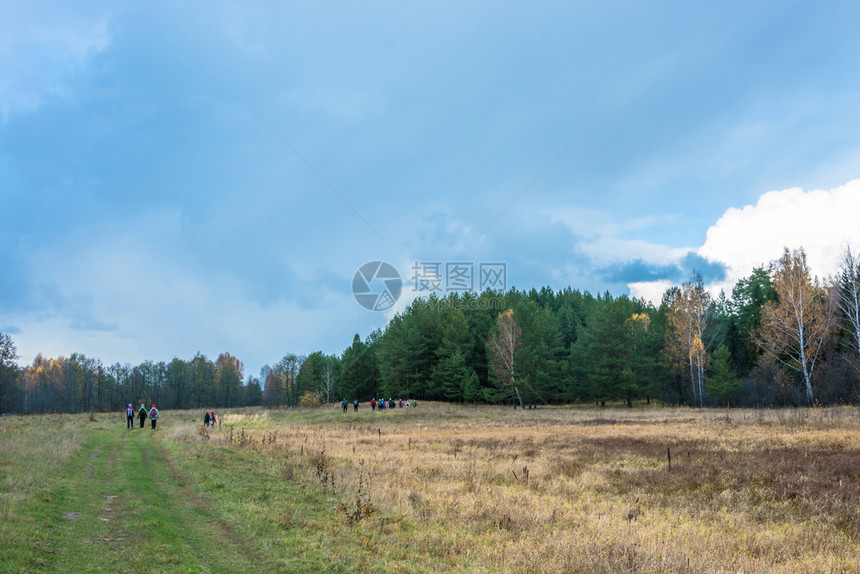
pixel 781 338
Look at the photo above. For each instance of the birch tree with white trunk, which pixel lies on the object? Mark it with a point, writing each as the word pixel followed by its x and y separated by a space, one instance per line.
pixel 504 341
pixel 796 327
pixel 688 321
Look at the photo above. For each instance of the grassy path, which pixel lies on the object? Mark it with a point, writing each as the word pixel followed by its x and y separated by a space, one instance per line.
pixel 120 504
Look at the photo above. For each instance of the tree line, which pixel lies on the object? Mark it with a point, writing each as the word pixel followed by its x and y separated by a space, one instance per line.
pixel 781 338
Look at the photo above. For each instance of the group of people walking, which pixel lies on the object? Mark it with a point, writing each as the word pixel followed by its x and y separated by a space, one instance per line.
pixel 209 419
pixel 141 414
pixel 391 404
pixel 381 403
pixel 345 405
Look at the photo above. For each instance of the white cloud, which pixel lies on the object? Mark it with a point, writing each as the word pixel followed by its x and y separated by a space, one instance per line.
pixel 820 221
pixel 649 290
pixel 823 222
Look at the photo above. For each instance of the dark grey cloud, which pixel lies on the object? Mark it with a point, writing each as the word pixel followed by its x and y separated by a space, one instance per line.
pixel 85 323
pixel 640 270
pixel 710 271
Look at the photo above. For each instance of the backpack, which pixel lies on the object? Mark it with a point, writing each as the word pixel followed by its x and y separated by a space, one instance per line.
pixel 153 414
pixel 129 412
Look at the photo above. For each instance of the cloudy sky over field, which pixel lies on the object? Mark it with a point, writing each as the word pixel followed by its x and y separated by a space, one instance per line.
pixel 182 177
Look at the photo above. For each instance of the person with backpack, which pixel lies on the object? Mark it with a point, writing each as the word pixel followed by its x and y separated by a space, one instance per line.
pixel 344 404
pixel 129 415
pixel 141 414
pixel 355 405
pixel 206 419
pixel 212 419
pixel 153 416
pixel 373 404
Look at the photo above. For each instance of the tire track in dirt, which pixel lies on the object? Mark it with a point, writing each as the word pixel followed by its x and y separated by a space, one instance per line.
pixel 94 494
pixel 201 503
pixel 116 536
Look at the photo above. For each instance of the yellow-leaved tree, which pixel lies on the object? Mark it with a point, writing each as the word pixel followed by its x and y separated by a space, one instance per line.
pixel 688 308
pixel 795 327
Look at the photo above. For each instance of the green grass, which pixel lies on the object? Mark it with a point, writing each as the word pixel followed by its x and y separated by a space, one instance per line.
pixel 116 500
pixel 113 505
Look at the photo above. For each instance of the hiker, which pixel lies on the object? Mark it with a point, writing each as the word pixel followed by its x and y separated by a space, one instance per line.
pixel 206 419
pixel 153 416
pixel 401 404
pixel 141 414
pixel 373 404
pixel 129 415
pixel 344 404
pixel 355 406
pixel 212 419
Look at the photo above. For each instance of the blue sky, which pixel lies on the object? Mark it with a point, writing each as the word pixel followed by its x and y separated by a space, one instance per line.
pixel 153 202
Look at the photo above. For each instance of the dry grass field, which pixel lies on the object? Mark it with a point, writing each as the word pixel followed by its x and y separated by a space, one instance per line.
pixel 441 488
pixel 487 489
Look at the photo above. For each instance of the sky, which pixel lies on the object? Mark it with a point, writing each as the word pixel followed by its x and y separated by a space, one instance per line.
pixel 184 177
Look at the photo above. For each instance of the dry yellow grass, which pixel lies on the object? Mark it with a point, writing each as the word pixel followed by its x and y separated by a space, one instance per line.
pixel 568 490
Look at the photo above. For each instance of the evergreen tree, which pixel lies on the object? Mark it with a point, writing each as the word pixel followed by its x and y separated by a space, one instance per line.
pixel 540 358
pixel 360 371
pixel 8 375
pixel 253 392
pixel 453 374
pixel 722 380
pixel 749 296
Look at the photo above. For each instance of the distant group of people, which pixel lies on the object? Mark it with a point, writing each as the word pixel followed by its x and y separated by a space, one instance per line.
pixel 141 414
pixel 381 404
pixel 209 419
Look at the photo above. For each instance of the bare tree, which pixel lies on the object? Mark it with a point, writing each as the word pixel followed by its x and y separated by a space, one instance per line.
pixel 504 341
pixel 795 327
pixel 328 379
